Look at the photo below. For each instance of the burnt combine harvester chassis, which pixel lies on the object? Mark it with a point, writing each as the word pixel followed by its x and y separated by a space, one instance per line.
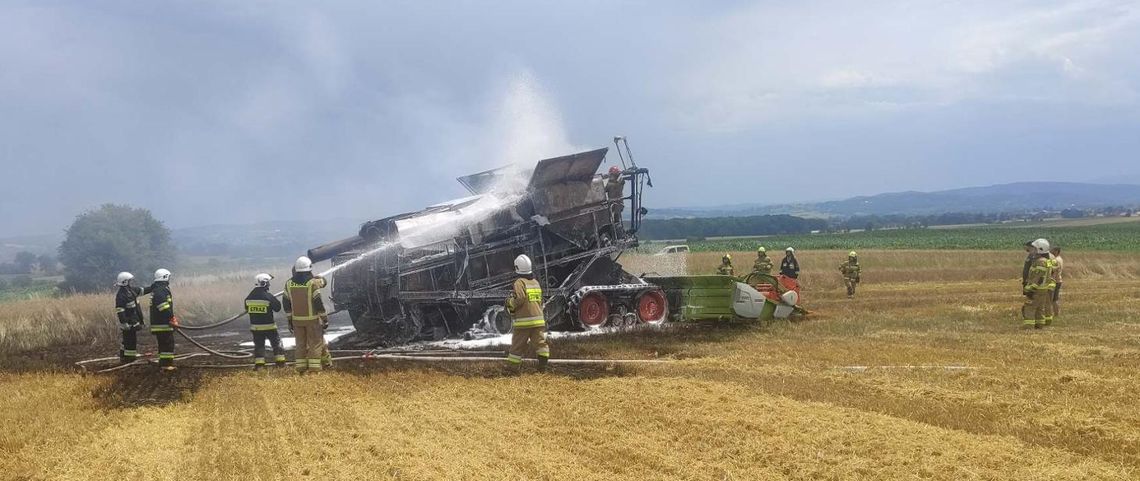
pixel 445 271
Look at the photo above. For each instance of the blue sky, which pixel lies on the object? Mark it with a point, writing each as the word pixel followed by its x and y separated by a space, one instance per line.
pixel 233 112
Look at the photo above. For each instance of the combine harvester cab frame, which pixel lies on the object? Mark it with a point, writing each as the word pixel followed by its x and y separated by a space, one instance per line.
pixel 445 271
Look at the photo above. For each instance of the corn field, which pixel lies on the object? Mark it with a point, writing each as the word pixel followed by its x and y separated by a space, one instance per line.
pixel 1119 236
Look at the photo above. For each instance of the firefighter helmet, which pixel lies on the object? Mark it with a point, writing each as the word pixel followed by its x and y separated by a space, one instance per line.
pixel 790 250
pixel 124 279
pixel 262 280
pixel 303 264
pixel 852 254
pixel 726 258
pixel 761 250
pixel 523 265
pixel 614 170
pixel 1040 246
pixel 162 275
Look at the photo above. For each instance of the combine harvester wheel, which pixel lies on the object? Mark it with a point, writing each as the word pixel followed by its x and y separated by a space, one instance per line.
pixel 652 308
pixel 593 310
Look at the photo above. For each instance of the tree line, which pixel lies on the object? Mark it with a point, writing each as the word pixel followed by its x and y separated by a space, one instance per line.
pixel 761 225
pixel 703 227
pixel 29 263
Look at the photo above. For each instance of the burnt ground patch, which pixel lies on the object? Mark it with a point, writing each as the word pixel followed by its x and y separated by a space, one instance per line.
pixel 147 386
pixel 481 369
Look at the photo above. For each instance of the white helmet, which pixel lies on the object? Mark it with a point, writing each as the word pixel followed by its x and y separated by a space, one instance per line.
pixel 1040 246
pixel 522 264
pixel 790 250
pixel 262 280
pixel 124 279
pixel 161 275
pixel 303 264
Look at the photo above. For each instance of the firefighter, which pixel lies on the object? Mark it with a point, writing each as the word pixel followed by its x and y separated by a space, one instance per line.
pixel 790 267
pixel 850 271
pixel 1037 312
pixel 1058 277
pixel 306 314
pixel 615 191
pixel 763 264
pixel 260 304
pixel 130 316
pixel 1029 256
pixel 528 323
pixel 725 267
pixel 162 318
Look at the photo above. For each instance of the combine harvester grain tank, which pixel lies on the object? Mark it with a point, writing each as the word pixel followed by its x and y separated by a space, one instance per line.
pixel 444 271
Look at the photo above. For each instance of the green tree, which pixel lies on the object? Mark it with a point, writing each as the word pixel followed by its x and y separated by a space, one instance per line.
pixel 25 262
pixel 48 264
pixel 103 242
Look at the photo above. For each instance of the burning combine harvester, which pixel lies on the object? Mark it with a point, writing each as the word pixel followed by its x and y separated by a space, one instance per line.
pixel 445 271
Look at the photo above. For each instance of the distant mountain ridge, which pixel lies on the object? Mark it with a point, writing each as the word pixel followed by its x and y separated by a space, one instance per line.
pixel 1014 197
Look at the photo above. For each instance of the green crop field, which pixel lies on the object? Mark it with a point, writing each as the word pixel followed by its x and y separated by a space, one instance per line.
pixel 1123 236
pixel 24 287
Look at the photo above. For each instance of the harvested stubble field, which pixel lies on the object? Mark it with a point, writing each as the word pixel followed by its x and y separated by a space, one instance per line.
pixel 865 389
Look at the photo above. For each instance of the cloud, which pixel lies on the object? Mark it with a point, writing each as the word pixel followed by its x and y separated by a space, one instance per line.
pixel 227 112
pixel 771 62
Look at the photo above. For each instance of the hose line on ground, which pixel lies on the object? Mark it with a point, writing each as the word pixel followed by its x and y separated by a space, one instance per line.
pixel 391 355
pixel 222 323
pixel 225 354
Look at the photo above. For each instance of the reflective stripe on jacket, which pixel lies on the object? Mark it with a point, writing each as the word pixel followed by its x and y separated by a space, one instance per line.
pixel 525 303
pixel 161 306
pixel 127 304
pixel 790 267
pixel 1041 275
pixel 260 304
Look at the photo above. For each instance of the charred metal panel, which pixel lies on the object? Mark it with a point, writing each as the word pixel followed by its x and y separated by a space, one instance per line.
pixel 579 167
pixel 564 196
pixel 484 182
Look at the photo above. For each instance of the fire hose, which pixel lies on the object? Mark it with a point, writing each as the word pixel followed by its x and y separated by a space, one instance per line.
pixel 373 354
pixel 220 323
pixel 404 356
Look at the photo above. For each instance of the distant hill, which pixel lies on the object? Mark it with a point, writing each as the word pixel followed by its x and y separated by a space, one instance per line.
pixel 1016 197
pixel 263 239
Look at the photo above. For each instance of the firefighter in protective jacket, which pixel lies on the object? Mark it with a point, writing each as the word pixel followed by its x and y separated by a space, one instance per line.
pixel 162 318
pixel 790 267
pixel 725 267
pixel 615 192
pixel 130 316
pixel 763 264
pixel 850 271
pixel 260 304
pixel 306 314
pixel 1037 312
pixel 525 307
